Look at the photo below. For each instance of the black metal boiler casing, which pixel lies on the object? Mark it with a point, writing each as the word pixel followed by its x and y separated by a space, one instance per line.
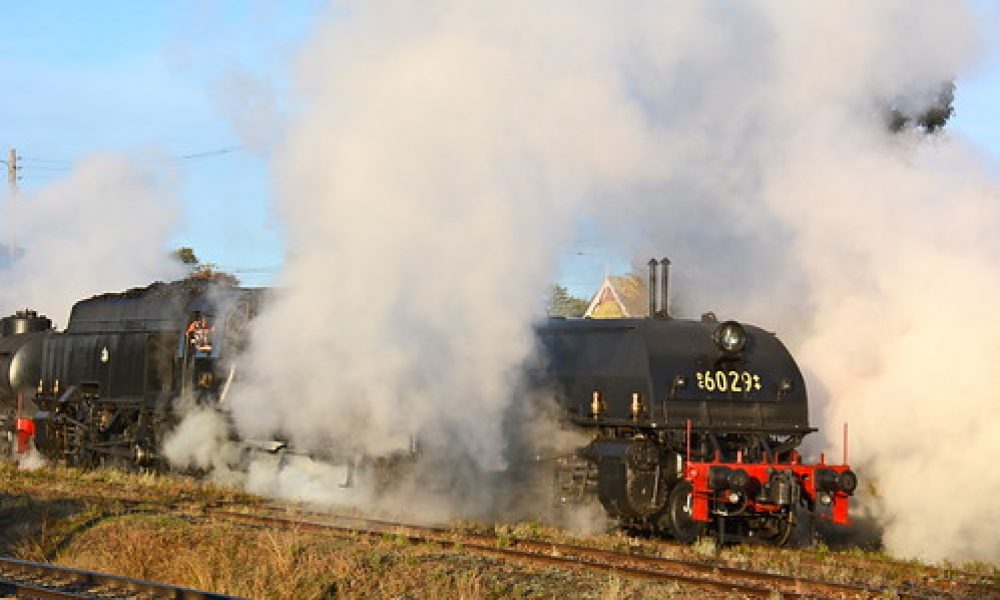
pixel 20 369
pixel 656 374
pixel 22 337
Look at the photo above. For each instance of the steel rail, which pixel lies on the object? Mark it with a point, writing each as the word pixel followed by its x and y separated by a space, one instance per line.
pixel 954 582
pixel 350 532
pixel 703 575
pixel 788 583
pixel 42 581
pixel 931 577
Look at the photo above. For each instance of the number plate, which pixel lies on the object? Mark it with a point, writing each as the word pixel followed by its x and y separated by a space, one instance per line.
pixel 737 382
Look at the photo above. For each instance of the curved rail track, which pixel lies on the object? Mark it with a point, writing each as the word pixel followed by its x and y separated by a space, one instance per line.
pixel 714 577
pixel 39 581
pixel 710 577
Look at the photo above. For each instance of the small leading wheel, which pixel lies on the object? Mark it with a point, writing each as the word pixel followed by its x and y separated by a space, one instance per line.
pixel 777 531
pixel 677 516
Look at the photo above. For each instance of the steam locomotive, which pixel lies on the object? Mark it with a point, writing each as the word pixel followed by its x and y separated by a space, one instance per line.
pixel 105 391
pixel 694 424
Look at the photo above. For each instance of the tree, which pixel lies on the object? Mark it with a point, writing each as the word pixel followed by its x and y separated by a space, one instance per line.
pixel 185 255
pixel 562 304
pixel 203 271
pixel 932 116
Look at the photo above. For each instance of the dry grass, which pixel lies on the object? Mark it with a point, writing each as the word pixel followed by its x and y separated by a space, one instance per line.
pixel 76 518
pixel 149 486
pixel 868 567
pixel 292 564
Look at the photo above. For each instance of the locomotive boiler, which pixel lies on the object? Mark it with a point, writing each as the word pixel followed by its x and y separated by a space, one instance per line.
pixel 694 423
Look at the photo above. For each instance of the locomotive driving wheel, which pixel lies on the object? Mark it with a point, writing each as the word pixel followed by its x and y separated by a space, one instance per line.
pixel 677 518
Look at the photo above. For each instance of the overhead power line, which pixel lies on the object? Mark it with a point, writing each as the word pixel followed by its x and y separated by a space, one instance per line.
pixel 273 269
pixel 206 154
pixel 45 168
pixel 45 160
pixel 179 158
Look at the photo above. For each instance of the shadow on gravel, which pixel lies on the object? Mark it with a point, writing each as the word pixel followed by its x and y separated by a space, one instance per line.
pixel 23 518
pixel 863 532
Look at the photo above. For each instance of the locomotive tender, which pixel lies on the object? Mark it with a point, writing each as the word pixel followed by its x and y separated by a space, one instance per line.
pixel 693 424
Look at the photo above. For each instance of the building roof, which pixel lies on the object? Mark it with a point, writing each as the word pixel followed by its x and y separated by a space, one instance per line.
pixel 620 296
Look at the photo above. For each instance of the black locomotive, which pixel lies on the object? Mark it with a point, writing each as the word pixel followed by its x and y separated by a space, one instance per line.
pixel 105 390
pixel 694 423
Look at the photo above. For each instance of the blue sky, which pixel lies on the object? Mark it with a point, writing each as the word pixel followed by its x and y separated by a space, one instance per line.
pixel 144 79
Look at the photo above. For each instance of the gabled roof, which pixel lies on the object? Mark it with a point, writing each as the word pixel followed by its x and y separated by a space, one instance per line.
pixel 627 292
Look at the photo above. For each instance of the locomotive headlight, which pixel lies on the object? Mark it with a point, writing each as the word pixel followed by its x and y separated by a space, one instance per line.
pixel 730 337
pixel 825 499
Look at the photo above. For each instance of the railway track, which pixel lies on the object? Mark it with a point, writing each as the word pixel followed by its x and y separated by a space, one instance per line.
pixel 38 581
pixel 709 577
pixel 951 582
pixel 928 581
pixel 717 577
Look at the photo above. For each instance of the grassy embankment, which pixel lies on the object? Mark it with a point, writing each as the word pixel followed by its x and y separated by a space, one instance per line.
pixel 114 522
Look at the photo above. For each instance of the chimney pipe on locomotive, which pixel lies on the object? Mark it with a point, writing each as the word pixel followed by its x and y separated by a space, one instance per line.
pixel 652 288
pixel 665 287
pixel 659 281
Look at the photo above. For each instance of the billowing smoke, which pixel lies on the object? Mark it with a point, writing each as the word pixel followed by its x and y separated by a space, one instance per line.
pixel 447 152
pixel 426 188
pixel 200 441
pixel 104 227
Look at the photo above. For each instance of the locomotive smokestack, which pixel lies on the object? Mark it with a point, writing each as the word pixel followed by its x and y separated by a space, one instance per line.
pixel 652 288
pixel 665 285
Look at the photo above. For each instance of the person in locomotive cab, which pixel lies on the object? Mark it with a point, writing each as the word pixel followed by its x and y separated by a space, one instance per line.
pixel 199 334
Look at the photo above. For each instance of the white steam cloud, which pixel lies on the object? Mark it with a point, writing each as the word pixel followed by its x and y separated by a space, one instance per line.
pixel 448 150
pixel 102 228
pixel 425 190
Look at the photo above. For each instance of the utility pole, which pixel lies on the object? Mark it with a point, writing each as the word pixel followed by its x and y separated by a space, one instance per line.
pixel 12 198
